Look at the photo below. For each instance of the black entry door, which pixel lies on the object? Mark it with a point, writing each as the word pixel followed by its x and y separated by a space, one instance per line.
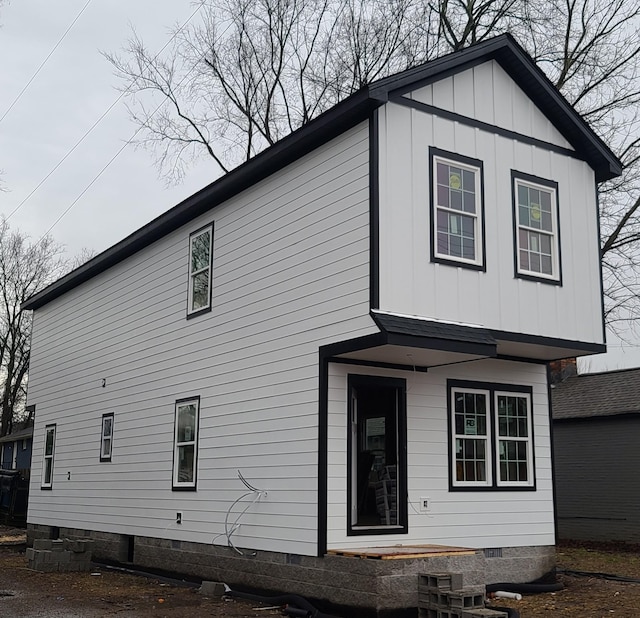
pixel 377 448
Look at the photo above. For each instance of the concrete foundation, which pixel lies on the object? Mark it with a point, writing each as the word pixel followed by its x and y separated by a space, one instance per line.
pixel 365 587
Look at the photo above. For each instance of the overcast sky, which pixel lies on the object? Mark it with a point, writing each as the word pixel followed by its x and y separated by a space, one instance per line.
pixel 70 93
pixel 73 89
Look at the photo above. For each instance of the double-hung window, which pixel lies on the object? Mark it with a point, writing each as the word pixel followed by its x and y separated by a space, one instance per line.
pixel 491 436
pixel 49 452
pixel 537 237
pixel 185 443
pixel 200 270
pixel 106 437
pixel 457 223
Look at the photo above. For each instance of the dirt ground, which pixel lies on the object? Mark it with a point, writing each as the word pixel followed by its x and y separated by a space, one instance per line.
pixel 29 594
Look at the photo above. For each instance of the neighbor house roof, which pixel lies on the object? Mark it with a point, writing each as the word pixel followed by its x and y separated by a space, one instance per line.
pixel 346 114
pixel 21 434
pixel 609 393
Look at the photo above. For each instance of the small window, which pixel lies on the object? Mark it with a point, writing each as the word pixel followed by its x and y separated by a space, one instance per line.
pixel 457 224
pixel 536 228
pixel 185 452
pixel 106 437
pixel 200 258
pixel 49 452
pixel 491 436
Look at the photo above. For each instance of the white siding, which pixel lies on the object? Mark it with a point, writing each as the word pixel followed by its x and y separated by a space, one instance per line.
pixel 465 518
pixel 290 273
pixel 487 93
pixel 411 284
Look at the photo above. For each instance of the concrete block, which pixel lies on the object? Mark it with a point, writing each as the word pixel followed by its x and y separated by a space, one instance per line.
pixel 440 581
pixel 57 545
pixel 42 544
pixel 211 589
pixel 31 553
pixel 467 598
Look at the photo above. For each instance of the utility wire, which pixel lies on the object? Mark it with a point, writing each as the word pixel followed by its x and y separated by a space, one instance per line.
pixel 114 157
pixel 77 17
pixel 90 130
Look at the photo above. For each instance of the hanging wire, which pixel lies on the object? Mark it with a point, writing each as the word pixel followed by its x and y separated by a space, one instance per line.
pixel 231 528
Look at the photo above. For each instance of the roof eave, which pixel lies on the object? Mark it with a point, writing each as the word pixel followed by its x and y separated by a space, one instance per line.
pixel 325 127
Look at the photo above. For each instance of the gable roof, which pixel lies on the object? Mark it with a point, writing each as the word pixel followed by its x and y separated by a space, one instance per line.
pixel 610 393
pixel 346 114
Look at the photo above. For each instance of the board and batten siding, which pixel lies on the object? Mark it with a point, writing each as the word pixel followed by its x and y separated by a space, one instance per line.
pixel 494 299
pixel 476 519
pixel 290 273
pixel 596 465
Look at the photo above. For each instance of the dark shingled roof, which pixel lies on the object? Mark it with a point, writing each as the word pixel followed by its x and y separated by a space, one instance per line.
pixel 438 330
pixel 597 394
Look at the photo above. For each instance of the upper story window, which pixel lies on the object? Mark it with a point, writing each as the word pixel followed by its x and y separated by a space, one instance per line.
pixel 457 217
pixel 537 235
pixel 106 437
pixel 49 452
pixel 185 443
pixel 200 260
pixel 491 436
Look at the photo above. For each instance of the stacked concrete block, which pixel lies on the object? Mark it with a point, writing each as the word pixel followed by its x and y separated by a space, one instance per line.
pixel 442 595
pixel 64 555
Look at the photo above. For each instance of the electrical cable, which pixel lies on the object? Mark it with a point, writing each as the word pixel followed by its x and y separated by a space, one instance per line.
pixel 229 531
pixel 24 89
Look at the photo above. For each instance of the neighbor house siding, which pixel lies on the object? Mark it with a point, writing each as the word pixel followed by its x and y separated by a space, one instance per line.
pixel 290 273
pixel 597 462
pixel 496 298
pixel 475 519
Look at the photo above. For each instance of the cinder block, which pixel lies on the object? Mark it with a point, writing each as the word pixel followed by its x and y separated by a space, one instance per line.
pixel 57 545
pixel 467 598
pixel 31 553
pixel 211 589
pixel 42 544
pixel 440 581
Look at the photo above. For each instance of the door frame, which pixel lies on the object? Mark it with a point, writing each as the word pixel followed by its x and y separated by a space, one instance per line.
pixel 400 386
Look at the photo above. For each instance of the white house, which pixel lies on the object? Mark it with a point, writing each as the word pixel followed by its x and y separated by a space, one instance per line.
pixel 358 321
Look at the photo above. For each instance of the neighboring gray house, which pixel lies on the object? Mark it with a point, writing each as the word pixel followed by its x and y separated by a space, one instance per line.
pixel 596 429
pixel 357 320
pixel 15 449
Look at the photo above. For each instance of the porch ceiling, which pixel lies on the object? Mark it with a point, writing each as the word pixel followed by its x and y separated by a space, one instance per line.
pixel 410 356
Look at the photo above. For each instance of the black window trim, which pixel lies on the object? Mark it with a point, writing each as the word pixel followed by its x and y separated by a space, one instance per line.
pixel 105 416
pixel 49 486
pixel 543 182
pixel 492 388
pixel 179 487
pixel 465 160
pixel 207 309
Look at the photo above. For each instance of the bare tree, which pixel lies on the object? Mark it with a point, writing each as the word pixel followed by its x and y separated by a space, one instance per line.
pixel 25 268
pixel 254 70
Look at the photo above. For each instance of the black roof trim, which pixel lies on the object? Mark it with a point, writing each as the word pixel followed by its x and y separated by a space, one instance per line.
pixel 403 325
pixel 356 108
pixel 523 70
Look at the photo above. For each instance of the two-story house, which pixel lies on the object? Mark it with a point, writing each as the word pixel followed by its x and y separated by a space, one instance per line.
pixel 357 321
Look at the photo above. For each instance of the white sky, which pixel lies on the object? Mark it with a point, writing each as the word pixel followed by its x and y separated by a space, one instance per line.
pixel 70 93
pixel 74 88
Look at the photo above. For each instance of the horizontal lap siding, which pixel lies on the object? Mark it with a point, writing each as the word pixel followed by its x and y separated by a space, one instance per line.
pixel 496 298
pixel 290 273
pixel 596 465
pixel 466 518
